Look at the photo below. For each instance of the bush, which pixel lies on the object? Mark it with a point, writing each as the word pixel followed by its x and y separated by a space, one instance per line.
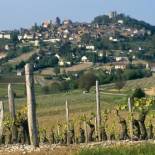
pixel 48 77
pixel 46 90
pixel 20 65
pixel 138 93
pixel 73 85
pixel 55 87
pixel 25 49
pixel 86 81
pixel 120 84
pixel 64 85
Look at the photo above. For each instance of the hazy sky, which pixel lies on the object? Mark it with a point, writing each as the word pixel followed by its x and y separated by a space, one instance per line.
pixel 23 13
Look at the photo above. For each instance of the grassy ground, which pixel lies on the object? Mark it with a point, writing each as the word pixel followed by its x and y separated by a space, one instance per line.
pixel 19 89
pixel 118 148
pixel 145 149
pixel 11 78
pixel 132 84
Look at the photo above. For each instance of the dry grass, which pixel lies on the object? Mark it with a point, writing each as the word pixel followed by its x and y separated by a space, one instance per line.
pixel 23 57
pixel 50 150
pixel 74 68
pixel 48 71
pixel 79 67
pixel 47 152
pixel 2 55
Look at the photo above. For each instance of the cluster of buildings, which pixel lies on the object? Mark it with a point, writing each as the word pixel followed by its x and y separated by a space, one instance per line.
pixel 61 32
pixel 73 31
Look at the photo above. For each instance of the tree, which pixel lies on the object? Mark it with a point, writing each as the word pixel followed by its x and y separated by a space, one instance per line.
pixel 55 87
pixel 86 38
pixel 86 81
pixel 93 57
pixel 120 84
pixel 20 65
pixel 35 27
pixel 130 58
pixel 102 19
pixel 56 70
pixel 14 38
pixel 73 84
pixel 138 93
pixel 25 49
pixel 58 21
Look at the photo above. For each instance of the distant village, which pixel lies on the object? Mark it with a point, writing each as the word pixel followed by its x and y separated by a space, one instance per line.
pixel 59 32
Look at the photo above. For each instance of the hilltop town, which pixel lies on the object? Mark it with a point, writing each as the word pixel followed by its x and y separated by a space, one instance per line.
pixel 110 42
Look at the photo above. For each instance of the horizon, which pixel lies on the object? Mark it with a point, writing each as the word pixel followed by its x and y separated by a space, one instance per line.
pixel 82 11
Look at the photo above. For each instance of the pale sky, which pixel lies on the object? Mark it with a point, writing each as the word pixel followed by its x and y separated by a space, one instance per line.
pixel 24 13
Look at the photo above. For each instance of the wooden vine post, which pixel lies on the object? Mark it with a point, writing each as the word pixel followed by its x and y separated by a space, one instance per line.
pixel 96 133
pixel 12 111
pixel 86 130
pixel 67 121
pixel 131 117
pixel 1 120
pixel 11 102
pixel 98 112
pixel 31 106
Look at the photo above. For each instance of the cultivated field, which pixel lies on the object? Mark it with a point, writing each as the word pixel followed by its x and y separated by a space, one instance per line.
pixel 51 108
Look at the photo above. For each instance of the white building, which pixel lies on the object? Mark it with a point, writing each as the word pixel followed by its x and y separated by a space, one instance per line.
pixel 20 37
pixel 1 36
pixel 112 14
pixel 119 59
pixel 91 47
pixel 120 22
pixel 28 37
pixel 84 59
pixel 7 36
pixel 6 47
pixel 57 55
pixel 61 63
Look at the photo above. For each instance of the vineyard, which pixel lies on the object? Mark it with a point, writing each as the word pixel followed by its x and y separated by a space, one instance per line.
pixel 90 121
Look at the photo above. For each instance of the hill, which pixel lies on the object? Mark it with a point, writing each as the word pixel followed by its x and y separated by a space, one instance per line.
pixel 127 21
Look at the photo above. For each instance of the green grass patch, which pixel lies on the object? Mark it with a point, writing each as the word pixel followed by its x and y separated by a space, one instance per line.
pixel 148 149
